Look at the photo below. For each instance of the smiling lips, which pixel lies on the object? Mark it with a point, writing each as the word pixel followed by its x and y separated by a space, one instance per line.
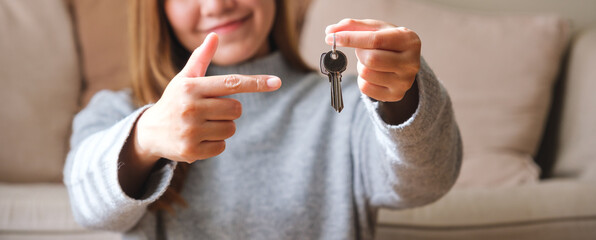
pixel 228 26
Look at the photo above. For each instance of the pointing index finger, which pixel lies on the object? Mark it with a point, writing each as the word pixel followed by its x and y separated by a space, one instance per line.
pixel 224 85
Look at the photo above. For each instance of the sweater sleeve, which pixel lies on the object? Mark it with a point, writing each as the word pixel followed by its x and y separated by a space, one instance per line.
pixel 91 170
pixel 413 163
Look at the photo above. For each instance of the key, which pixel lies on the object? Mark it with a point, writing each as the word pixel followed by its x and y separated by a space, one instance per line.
pixel 333 63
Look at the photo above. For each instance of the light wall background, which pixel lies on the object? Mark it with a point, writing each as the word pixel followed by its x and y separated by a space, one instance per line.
pixel 582 13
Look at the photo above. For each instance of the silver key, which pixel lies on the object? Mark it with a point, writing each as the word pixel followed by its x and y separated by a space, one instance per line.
pixel 333 63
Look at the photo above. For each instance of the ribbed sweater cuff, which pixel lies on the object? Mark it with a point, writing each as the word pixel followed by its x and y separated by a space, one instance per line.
pixel 93 179
pixel 157 181
pixel 432 98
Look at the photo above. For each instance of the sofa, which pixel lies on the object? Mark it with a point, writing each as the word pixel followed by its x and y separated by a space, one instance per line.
pixel 520 74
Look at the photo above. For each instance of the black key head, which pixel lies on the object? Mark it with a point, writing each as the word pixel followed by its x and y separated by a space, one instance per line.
pixel 334 61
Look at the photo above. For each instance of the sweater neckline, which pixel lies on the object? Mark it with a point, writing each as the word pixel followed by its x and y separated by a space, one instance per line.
pixel 272 64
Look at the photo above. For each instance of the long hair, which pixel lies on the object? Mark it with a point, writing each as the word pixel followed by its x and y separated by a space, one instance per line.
pixel 156 57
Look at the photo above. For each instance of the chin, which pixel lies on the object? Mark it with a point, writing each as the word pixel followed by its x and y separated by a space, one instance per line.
pixel 227 57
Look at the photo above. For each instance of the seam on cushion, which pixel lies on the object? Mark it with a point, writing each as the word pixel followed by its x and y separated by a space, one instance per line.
pixel 492 225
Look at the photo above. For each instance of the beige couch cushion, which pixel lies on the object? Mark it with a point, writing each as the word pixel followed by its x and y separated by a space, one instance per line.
pixel 498 69
pixel 576 150
pixel 36 207
pixel 40 88
pixel 549 210
pixel 102 34
pixel 40 211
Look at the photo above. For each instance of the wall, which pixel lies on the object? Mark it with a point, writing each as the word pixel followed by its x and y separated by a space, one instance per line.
pixel 581 12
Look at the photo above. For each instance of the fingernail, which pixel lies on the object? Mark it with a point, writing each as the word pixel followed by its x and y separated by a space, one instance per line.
pixel 273 82
pixel 327 29
pixel 211 34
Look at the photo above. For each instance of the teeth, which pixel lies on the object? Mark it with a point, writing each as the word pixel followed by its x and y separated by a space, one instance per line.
pixel 339 103
pixel 340 100
pixel 336 97
pixel 332 90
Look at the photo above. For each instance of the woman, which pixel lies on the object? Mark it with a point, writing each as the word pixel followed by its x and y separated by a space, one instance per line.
pixel 292 168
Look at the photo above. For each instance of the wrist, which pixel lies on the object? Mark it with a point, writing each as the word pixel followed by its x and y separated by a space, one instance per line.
pixel 135 164
pixel 142 151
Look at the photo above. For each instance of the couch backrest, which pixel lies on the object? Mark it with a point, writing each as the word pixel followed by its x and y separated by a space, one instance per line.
pixel 580 12
pixel 101 27
pixel 40 79
pixel 554 149
pixel 498 68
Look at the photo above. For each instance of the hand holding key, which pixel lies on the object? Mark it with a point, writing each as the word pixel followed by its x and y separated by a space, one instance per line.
pixel 190 122
pixel 388 56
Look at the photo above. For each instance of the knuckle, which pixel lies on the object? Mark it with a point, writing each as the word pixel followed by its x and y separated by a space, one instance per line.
pixel 403 29
pixel 232 81
pixel 376 40
pixel 347 41
pixel 188 87
pixel 187 133
pixel 347 21
pixel 411 36
pixel 370 21
pixel 188 110
pixel 187 152
pixel 259 83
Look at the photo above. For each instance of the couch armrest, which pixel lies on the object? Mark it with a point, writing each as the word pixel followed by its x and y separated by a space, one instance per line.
pixel 575 152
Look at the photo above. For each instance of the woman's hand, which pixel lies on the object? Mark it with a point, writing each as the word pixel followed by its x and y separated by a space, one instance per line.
pixel 190 122
pixel 388 56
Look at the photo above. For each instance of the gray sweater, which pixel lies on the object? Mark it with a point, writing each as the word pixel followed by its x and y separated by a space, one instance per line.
pixel 295 169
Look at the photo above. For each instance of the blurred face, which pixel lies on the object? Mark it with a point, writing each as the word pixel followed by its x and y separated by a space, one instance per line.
pixel 243 26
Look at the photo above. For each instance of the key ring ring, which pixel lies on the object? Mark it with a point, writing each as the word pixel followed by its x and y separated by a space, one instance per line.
pixel 333 54
pixel 333 43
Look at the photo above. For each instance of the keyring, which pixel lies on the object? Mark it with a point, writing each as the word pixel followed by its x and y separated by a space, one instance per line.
pixel 333 53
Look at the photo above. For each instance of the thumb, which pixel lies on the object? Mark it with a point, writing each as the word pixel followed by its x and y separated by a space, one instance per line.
pixel 201 57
